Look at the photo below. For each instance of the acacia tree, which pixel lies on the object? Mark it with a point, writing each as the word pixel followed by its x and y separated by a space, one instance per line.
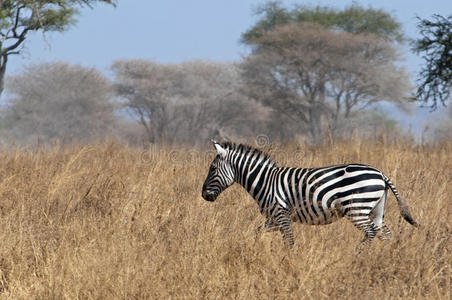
pixel 147 89
pixel 319 76
pixel 319 65
pixel 188 102
pixel 435 79
pixel 353 19
pixel 58 100
pixel 18 17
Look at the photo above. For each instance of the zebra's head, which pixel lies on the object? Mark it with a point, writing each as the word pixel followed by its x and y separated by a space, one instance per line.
pixel 220 176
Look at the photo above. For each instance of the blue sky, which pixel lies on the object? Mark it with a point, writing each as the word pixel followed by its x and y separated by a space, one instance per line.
pixel 176 31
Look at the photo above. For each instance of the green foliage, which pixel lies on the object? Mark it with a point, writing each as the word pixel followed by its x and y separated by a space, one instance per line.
pixel 319 64
pixel 273 14
pixel 435 79
pixel 354 19
pixel 48 15
pixel 18 17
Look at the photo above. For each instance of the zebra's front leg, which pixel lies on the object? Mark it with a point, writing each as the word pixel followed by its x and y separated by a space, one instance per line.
pixel 284 222
pixel 269 225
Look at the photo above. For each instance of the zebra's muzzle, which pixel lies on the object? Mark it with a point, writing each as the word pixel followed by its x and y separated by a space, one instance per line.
pixel 209 196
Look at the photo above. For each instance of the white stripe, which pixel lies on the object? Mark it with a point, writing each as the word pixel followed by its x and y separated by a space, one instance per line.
pixel 346 175
pixel 301 200
pixel 281 202
pixel 331 182
pixel 369 195
pixel 362 183
pixel 256 180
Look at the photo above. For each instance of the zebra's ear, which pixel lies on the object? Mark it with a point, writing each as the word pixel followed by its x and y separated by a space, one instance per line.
pixel 221 151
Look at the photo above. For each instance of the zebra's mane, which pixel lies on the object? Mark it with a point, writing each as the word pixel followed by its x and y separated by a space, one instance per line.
pixel 245 148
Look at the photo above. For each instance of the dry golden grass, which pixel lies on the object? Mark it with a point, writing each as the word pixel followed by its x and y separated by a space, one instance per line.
pixel 106 221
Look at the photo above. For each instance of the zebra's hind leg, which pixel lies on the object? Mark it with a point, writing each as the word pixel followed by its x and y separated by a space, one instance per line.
pixel 384 233
pixel 367 225
pixel 377 216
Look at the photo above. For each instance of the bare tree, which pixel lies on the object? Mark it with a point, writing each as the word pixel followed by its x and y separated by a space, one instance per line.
pixel 316 76
pixel 58 100
pixel 188 102
pixel 148 88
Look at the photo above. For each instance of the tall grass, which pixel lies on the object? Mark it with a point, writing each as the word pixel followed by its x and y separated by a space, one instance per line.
pixel 105 221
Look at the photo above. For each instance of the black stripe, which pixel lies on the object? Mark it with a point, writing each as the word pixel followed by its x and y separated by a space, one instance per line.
pixel 359 190
pixel 340 173
pixel 276 191
pixel 268 187
pixel 358 215
pixel 246 170
pixel 291 196
pixel 348 181
pixel 347 209
pixel 243 158
pixel 286 185
pixel 298 199
pixel 252 176
pixel 356 167
pixel 358 200
pixel 324 171
pixel 260 182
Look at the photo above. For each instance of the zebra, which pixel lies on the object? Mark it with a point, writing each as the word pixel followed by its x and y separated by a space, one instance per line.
pixel 315 196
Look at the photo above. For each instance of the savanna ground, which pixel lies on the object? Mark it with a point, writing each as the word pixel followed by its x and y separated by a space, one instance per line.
pixel 106 221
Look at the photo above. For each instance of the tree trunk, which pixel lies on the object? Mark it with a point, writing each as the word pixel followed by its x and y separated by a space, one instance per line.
pixel 3 61
pixel 315 126
pixel 315 114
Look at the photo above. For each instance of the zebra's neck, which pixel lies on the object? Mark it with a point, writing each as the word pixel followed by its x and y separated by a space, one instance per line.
pixel 251 166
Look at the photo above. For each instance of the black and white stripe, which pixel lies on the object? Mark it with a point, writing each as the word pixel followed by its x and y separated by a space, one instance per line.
pixel 314 196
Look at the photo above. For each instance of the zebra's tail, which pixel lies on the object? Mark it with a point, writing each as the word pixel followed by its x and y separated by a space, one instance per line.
pixel 404 211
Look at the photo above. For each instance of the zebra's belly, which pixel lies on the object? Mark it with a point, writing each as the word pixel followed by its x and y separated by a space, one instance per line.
pixel 316 218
